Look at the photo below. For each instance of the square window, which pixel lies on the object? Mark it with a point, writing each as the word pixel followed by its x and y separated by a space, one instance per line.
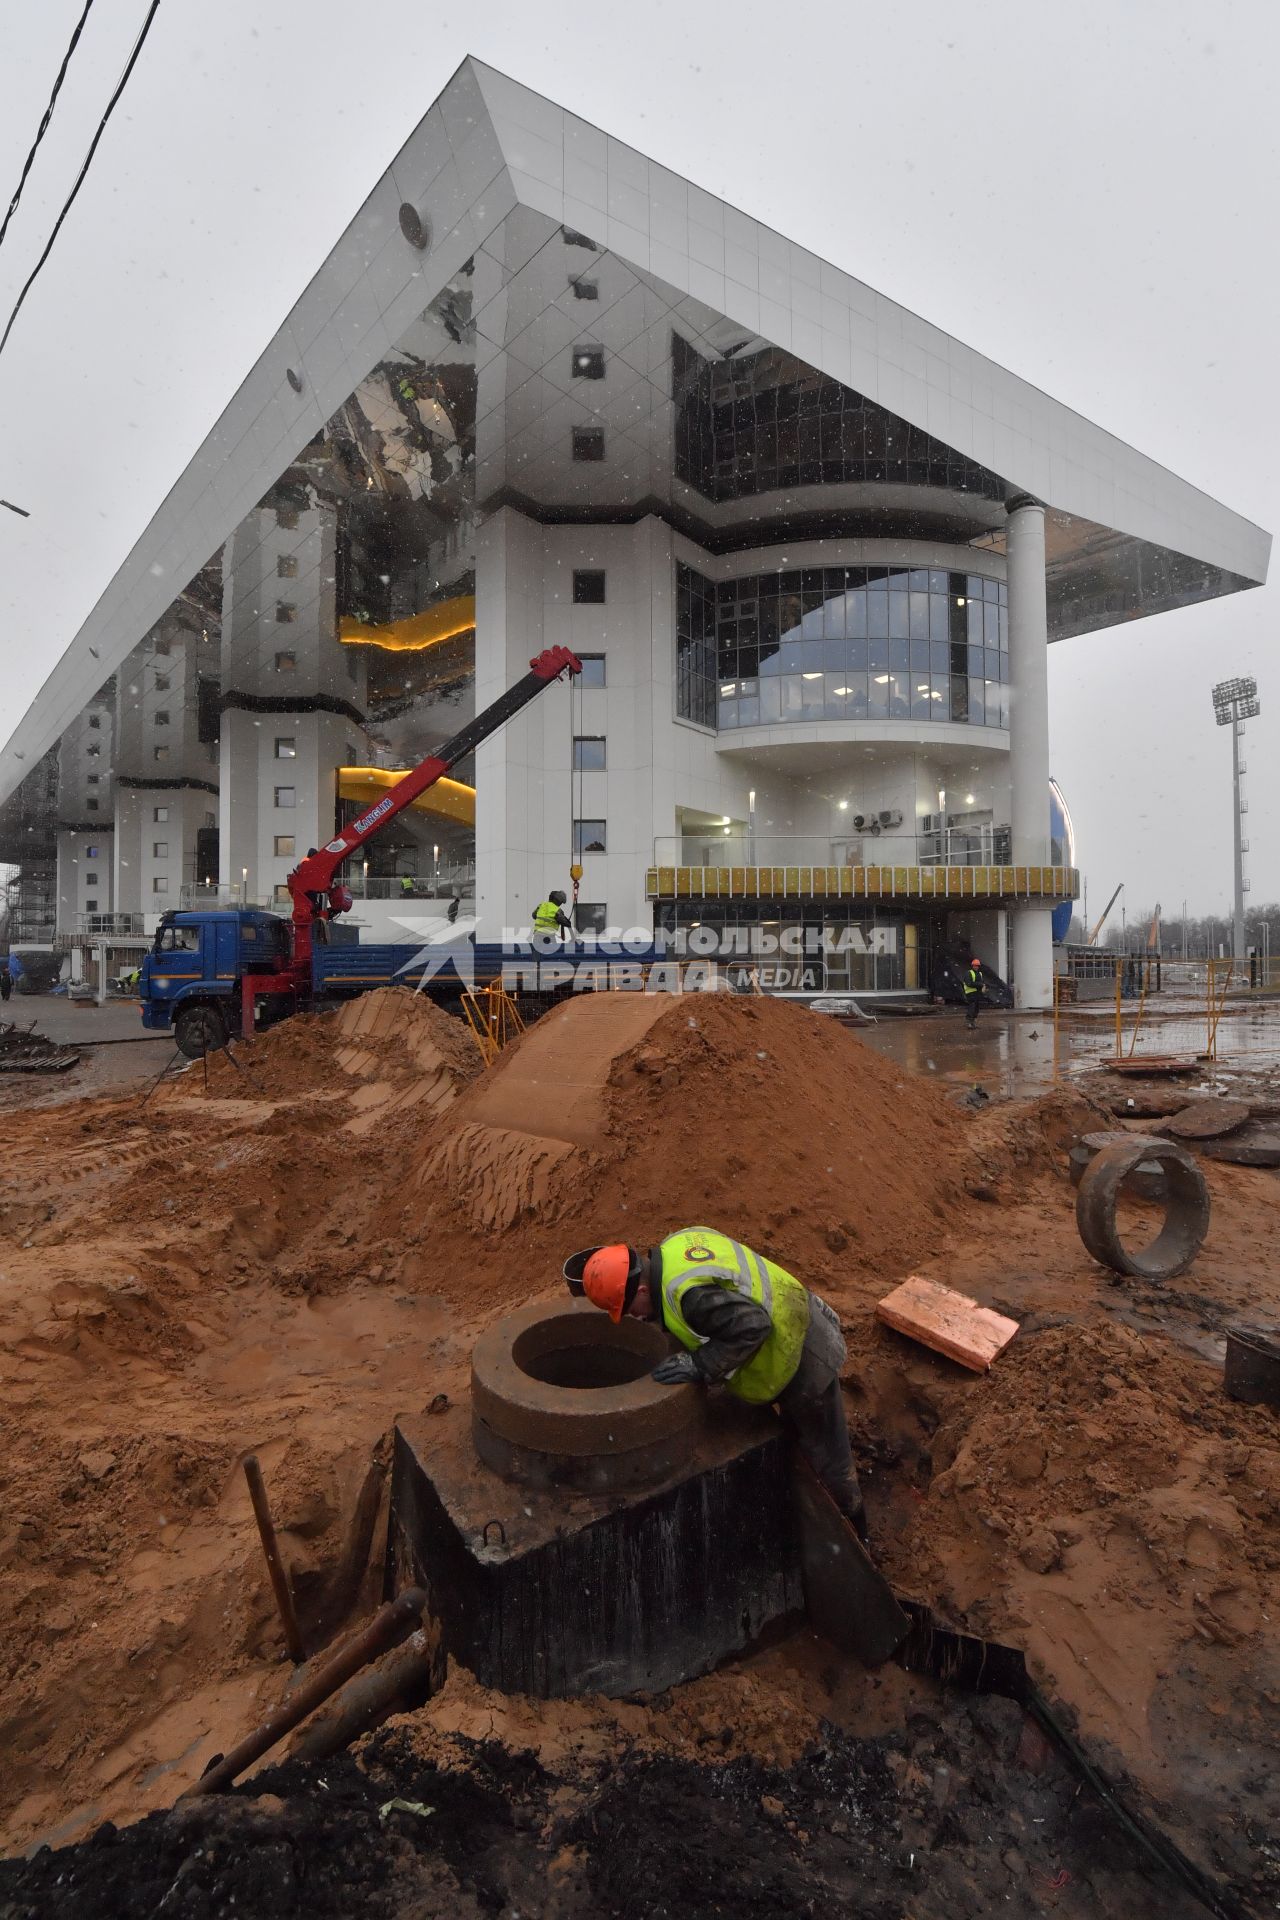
pixel 286 662
pixel 93 750
pixel 280 894
pixel 91 879
pixel 91 906
pixel 588 363
pixel 91 853
pixel 161 649
pixel 588 586
pixel 588 752
pixel 162 753
pixel 286 747
pixel 162 717
pixel 287 566
pixel 162 683
pixel 93 778
pixel 287 517
pixel 95 721
pixel 160 815
pixel 160 884
pixel 159 849
pixel 585 289
pixel 588 443
pixel 588 837
pixel 283 845
pixel 590 916
pixel 285 797
pixel 91 806
pixel 592 674
pixel 286 613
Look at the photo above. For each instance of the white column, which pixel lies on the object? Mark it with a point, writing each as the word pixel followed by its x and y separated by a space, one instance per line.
pixel 1029 746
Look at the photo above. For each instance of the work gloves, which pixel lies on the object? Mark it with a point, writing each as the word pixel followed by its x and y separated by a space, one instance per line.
pixel 676 1370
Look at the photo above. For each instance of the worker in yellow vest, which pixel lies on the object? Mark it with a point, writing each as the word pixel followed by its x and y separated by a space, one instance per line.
pixel 744 1322
pixel 549 916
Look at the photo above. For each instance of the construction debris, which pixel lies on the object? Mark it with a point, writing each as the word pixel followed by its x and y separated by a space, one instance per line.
pixel 947 1321
pixel 1186 1204
pixel 1205 1120
pixel 23 1050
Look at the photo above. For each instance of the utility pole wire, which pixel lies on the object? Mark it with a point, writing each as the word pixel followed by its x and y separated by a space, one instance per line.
pixel 42 129
pixel 88 160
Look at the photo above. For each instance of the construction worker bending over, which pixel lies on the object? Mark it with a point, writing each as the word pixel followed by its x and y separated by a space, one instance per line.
pixel 745 1323
pixel 974 982
pixel 549 916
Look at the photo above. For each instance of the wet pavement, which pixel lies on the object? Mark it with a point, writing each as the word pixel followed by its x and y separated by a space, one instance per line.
pixel 1017 1054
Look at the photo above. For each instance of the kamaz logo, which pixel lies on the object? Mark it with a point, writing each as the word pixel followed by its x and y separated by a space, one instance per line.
pixel 366 820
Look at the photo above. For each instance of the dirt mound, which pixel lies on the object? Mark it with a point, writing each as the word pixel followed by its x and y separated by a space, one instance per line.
pixel 622 1118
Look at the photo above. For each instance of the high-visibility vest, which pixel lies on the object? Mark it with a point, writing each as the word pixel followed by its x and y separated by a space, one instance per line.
pixel 971 982
pixel 546 917
pixel 698 1255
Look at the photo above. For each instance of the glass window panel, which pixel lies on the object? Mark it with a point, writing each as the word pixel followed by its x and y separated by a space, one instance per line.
pixel 792 703
pixel 857 655
pixel 1004 626
pixel 938 582
pixel 770 702
pixel 977 702
pixel 991 623
pixel 728 712
pixel 939 616
pixel 835 654
pixel 588 752
pixel 918 580
pixel 940 656
pixel 899 696
pixel 858 701
pixel 973 617
pixel 898 616
pixel 839 693
pixel 748 713
pixel 900 653
pixel 959 697
pixel 920 655
pixel 919 616
pixel 877 613
pixel 856 614
pixel 897 580
pixel 593 670
pixel 919 698
pixel 977 663
pixel 878 696
pixel 973 587
pixel 878 654
pixel 833 617
pixel 991 590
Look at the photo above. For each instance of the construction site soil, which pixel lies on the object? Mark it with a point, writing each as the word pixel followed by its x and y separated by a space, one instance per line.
pixel 281 1256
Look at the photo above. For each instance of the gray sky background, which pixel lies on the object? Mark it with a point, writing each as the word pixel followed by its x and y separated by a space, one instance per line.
pixel 1085 192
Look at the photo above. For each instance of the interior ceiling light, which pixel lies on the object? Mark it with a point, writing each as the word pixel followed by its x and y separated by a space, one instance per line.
pixel 882 679
pixel 843 805
pixel 841 691
pixel 968 799
pixel 960 601
pixel 444 621
pixel 811 676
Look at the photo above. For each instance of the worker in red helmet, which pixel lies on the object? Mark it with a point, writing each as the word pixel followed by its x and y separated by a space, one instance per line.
pixel 974 983
pixel 745 1323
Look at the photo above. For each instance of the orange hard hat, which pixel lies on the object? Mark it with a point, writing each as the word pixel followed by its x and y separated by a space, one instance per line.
pixel 606 1277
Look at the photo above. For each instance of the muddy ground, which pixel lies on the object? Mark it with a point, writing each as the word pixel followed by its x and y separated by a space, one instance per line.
pixel 286 1260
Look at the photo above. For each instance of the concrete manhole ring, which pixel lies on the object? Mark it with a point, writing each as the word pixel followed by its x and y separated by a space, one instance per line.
pixel 560 1396
pixel 1185 1199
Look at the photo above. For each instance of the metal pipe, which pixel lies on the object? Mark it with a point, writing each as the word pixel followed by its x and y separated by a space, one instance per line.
pixel 401 1676
pixel 275 1565
pixel 387 1624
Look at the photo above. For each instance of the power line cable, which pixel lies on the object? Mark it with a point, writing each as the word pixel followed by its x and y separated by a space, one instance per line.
pixel 88 161
pixel 43 128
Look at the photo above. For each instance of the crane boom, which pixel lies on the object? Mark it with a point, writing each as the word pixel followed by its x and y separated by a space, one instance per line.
pixel 1100 922
pixel 313 885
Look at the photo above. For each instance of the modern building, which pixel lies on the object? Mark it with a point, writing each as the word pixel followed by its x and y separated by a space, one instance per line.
pixel 811 550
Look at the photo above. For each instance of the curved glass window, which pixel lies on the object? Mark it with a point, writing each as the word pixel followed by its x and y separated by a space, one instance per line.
pixel 842 643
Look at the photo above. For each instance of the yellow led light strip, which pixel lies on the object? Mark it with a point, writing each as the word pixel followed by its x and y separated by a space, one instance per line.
pixel 417 631
pixel 450 799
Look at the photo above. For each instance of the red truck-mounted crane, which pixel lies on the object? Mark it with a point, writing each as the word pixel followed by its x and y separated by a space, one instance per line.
pixel 314 887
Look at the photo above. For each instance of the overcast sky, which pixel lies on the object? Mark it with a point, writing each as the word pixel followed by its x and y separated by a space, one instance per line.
pixel 1085 192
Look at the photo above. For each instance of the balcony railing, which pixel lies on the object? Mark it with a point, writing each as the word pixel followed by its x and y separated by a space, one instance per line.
pixel 984 846
pixel 107 925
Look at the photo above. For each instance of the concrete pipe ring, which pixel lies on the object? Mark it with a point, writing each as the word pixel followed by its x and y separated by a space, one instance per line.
pixel 560 1396
pixel 1185 1200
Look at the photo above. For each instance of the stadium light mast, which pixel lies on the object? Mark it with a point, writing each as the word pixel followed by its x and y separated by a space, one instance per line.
pixel 1234 702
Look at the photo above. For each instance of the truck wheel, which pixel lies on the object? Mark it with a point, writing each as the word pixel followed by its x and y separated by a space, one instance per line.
pixel 199 1030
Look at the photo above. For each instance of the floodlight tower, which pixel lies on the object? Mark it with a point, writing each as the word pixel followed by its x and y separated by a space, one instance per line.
pixel 1234 702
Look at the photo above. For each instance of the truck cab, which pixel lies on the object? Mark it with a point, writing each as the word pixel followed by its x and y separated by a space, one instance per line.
pixel 190 980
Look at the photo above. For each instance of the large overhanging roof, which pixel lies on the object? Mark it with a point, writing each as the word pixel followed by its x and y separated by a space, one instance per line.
pixel 517 199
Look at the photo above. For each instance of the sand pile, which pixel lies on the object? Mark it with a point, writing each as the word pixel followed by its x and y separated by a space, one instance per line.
pixel 621 1118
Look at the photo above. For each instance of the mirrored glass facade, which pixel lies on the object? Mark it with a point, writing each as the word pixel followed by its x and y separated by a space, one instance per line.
pixel 843 643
